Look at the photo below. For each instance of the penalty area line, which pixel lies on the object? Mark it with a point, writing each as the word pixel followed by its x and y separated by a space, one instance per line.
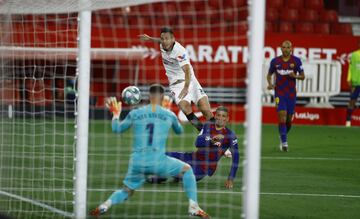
pixel 52 209
pixel 239 193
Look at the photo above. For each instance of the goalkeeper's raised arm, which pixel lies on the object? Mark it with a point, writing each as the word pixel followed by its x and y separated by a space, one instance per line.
pixel 145 37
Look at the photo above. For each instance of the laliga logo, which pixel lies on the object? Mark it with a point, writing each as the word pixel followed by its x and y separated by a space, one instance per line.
pixel 356 118
pixel 307 115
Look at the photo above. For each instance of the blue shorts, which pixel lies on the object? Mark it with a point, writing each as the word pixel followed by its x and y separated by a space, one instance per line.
pixel 188 158
pixel 164 167
pixel 285 103
pixel 354 93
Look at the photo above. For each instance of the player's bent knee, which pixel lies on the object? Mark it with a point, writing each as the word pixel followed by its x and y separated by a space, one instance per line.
pixel 128 190
pixel 186 168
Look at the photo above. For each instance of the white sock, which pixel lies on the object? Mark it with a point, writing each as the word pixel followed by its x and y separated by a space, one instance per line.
pixel 106 204
pixel 192 203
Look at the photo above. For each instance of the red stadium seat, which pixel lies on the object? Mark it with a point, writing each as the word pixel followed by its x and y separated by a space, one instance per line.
pixel 305 27
pixel 274 3
pixel 341 29
pixel 309 15
pixel 229 14
pixel 314 4
pixel 243 14
pixel 242 27
pixel 289 15
pixel 9 92
pixel 329 16
pixel 286 27
pixel 322 28
pixel 236 3
pixel 295 4
pixel 270 27
pixel 272 14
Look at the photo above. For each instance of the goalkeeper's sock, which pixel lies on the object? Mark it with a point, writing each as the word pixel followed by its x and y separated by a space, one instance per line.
pixel 283 132
pixel 194 121
pixel 118 197
pixel 348 114
pixel 189 184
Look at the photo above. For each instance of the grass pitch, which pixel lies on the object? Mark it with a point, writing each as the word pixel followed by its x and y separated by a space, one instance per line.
pixel 318 178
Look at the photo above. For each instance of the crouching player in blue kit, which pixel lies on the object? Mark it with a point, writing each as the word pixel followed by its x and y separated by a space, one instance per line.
pixel 212 142
pixel 287 68
pixel 151 124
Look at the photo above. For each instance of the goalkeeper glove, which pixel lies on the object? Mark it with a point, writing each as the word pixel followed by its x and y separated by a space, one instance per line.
pixel 114 107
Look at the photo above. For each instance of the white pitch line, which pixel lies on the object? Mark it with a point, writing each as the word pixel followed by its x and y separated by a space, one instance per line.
pixel 239 193
pixel 52 209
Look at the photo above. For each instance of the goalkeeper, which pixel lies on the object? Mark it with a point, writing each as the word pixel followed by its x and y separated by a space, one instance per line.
pixel 151 124
pixel 212 142
pixel 183 84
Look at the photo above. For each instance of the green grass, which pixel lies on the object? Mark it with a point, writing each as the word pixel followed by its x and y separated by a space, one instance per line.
pixel 318 178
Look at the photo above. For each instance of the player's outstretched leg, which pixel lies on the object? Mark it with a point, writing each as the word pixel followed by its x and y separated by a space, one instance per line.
pixel 189 184
pixel 117 197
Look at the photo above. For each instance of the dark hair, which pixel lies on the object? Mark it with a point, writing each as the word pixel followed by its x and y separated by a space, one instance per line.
pixel 166 30
pixel 156 88
pixel 222 108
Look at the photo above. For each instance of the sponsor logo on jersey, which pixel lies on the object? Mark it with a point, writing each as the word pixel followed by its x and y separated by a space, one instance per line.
pixel 284 72
pixel 182 58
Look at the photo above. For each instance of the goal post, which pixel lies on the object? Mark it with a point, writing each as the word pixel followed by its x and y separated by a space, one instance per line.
pixel 252 142
pixel 58 155
pixel 82 124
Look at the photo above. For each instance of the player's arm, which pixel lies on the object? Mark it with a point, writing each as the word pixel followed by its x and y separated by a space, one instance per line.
pixel 235 163
pixel 349 72
pixel 300 70
pixel 269 76
pixel 115 108
pixel 176 126
pixel 145 37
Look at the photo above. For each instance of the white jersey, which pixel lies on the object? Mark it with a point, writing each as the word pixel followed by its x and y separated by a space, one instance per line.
pixel 173 62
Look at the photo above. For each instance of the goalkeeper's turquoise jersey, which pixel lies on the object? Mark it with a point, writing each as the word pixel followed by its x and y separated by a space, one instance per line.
pixel 354 69
pixel 151 125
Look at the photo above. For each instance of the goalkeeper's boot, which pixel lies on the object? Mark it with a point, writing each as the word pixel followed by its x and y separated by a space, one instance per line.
pixel 99 211
pixel 196 211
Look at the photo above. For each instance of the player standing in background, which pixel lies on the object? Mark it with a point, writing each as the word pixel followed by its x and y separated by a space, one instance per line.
pixel 151 124
pixel 287 68
pixel 354 83
pixel 183 84
pixel 212 142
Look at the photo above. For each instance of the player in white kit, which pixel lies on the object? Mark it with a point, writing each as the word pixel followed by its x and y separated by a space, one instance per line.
pixel 184 86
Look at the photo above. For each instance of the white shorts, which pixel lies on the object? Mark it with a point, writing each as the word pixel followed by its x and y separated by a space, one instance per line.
pixel 195 93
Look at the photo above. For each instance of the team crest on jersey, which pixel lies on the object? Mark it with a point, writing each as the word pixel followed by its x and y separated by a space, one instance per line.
pixel 182 58
pixel 292 65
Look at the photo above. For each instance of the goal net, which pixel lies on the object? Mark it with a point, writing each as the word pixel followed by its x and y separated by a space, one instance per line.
pixel 38 85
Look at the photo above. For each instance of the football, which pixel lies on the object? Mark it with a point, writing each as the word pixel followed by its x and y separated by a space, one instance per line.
pixel 131 95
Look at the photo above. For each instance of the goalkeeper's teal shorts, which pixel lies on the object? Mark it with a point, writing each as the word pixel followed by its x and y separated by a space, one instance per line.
pixel 164 166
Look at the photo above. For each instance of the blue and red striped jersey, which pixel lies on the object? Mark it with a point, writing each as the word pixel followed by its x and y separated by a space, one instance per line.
pixel 285 85
pixel 209 153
